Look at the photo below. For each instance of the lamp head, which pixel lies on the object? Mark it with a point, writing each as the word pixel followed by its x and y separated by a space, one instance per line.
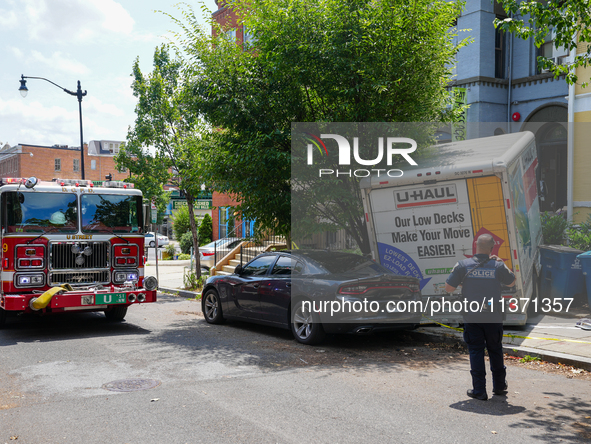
pixel 23 88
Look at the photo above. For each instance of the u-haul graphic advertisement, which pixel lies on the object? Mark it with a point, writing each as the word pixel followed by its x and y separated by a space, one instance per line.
pixel 430 226
pixel 424 222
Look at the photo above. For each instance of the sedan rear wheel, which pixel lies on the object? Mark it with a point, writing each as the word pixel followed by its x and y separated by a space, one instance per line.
pixel 212 307
pixel 152 244
pixel 305 325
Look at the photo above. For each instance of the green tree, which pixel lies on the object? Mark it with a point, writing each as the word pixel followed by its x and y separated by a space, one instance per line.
pixel 206 230
pixel 164 145
pixel 568 20
pixel 313 61
pixel 181 223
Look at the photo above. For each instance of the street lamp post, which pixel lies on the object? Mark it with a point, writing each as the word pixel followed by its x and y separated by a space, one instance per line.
pixel 23 90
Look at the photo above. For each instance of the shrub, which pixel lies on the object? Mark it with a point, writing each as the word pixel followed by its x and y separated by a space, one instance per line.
pixel 170 250
pixel 181 223
pixel 191 282
pixel 206 230
pixel 554 228
pixel 579 237
pixel 186 242
pixel 184 257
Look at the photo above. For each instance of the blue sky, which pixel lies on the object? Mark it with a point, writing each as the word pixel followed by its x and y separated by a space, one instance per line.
pixel 94 41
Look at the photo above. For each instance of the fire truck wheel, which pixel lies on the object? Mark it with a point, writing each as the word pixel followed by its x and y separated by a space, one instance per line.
pixel 211 306
pixel 116 313
pixel 2 318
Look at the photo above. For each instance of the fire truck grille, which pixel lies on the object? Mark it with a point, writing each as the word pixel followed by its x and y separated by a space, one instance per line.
pixel 79 277
pixel 79 255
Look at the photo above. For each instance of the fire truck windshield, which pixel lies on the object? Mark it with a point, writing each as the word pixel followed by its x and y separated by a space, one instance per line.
pixel 111 213
pixel 38 212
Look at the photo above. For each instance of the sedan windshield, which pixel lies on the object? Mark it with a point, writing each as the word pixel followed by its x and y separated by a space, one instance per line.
pixel 115 213
pixel 39 212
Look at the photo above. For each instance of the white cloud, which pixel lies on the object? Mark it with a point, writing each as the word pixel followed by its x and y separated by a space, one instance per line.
pixel 8 19
pixel 38 124
pixel 60 63
pixel 17 53
pixel 92 104
pixel 31 122
pixel 73 20
pixel 123 89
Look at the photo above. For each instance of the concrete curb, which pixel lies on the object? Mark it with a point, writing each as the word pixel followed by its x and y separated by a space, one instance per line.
pixel 179 292
pixel 511 350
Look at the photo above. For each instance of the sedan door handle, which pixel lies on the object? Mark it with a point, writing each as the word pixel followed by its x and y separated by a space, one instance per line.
pixel 288 284
pixel 256 285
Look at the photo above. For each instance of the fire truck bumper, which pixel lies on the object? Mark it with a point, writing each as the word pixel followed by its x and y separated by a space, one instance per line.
pixel 78 300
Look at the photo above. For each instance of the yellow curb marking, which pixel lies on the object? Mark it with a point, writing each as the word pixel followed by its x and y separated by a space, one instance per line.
pixel 521 337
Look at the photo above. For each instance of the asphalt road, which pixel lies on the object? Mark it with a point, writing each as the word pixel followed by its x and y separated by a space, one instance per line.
pixel 241 383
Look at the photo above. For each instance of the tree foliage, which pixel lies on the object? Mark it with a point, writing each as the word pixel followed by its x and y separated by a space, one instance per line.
pixel 181 223
pixel 313 61
pixel 206 230
pixel 164 146
pixel 568 20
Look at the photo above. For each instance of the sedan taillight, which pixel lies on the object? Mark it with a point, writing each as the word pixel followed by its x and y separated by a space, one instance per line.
pixel 364 288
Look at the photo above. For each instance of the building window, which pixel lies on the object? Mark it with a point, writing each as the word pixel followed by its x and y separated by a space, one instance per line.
pixel 93 164
pixel 548 50
pixel 247 37
pixel 122 169
pixel 76 165
pixel 227 222
pixel 499 53
pixel 58 165
pixel 231 35
pixel 223 222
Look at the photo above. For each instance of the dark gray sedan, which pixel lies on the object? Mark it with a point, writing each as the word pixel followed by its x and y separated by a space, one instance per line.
pixel 314 293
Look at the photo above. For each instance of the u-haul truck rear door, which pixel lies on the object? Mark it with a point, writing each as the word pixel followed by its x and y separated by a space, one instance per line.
pixel 423 230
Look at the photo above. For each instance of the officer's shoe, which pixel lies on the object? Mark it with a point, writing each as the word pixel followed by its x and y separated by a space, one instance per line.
pixel 481 396
pixel 503 391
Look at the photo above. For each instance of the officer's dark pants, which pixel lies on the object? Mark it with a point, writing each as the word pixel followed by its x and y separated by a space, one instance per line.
pixel 477 337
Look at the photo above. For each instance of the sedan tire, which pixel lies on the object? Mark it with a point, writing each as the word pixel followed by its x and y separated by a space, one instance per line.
pixel 305 325
pixel 212 307
pixel 152 244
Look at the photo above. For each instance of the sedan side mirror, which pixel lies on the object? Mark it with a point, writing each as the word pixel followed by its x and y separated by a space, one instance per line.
pixel 238 269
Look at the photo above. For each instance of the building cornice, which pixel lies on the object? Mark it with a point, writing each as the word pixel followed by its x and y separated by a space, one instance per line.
pixel 503 83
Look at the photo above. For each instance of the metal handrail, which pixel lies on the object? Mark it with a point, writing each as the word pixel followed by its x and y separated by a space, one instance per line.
pixel 249 248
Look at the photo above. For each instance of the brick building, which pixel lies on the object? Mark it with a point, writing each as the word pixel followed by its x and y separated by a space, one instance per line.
pixel 49 162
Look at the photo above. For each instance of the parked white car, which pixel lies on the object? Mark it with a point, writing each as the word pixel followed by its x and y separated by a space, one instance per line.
pixel 150 240
pixel 222 246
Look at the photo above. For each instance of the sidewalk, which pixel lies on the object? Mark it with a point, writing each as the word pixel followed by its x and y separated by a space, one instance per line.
pixel 170 276
pixel 553 339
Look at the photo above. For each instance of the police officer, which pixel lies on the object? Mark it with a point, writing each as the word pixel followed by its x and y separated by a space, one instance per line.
pixel 481 277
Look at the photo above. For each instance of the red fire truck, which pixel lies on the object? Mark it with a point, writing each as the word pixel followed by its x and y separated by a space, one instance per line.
pixel 70 246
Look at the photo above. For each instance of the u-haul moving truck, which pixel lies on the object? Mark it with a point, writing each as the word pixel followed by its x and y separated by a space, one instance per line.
pixel 425 221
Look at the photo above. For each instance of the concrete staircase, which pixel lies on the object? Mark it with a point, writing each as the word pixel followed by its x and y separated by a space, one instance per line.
pixel 228 264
